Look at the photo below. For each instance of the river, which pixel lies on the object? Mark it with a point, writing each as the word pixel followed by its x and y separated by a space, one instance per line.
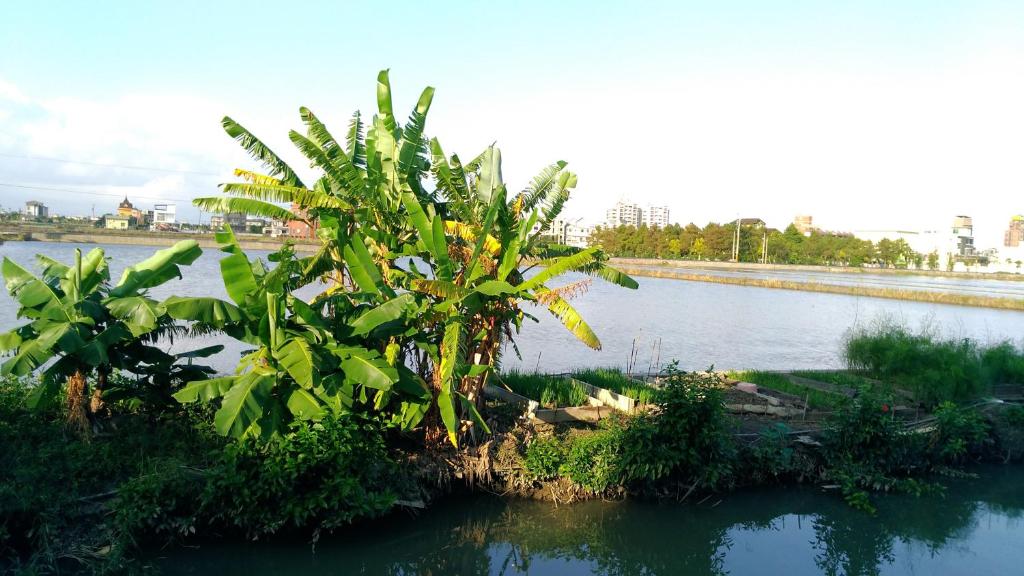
pixel 976 529
pixel 699 324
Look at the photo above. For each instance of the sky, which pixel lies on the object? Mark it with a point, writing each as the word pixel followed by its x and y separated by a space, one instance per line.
pixel 866 115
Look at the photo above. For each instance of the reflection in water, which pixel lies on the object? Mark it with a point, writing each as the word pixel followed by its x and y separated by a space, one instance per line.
pixel 975 528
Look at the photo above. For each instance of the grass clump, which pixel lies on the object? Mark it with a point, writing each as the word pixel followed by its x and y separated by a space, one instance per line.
pixel 817 399
pixel 550 391
pixel 935 370
pixel 845 379
pixel 614 380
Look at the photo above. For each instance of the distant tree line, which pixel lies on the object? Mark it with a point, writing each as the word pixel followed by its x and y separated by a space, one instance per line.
pixel 715 242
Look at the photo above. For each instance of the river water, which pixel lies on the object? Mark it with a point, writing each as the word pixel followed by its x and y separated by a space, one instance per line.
pixel 699 324
pixel 976 529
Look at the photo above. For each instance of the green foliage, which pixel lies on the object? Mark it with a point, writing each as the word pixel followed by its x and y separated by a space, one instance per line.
pixel 959 432
pixel 934 370
pixel 321 476
pixel 592 461
pixel 715 242
pixel 614 380
pixel 866 449
pixel 53 488
pixel 818 399
pixel 544 457
pixel 771 457
pixel 550 391
pixel 687 436
pixel 80 325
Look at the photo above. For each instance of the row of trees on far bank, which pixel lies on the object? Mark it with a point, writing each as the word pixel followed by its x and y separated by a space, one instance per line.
pixel 715 242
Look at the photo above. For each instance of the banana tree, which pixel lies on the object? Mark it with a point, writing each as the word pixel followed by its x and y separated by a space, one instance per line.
pixel 443 265
pixel 298 369
pixel 84 325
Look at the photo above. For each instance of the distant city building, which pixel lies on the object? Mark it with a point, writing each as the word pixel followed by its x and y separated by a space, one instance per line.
pixel 624 214
pixel 754 222
pixel 299 228
pixel 164 216
pixel 276 228
pixel 235 221
pixel 119 222
pixel 126 209
pixel 570 232
pixel 656 216
pixel 804 224
pixel 255 225
pixel 1014 233
pixel 216 221
pixel 963 230
pixel 36 210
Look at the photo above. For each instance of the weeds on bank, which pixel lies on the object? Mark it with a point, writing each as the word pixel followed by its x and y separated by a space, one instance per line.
pixel 933 369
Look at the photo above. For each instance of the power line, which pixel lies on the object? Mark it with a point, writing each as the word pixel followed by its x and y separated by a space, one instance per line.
pixel 122 166
pixel 88 192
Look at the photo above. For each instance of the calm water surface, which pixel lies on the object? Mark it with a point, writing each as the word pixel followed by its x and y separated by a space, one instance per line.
pixel 976 529
pixel 697 323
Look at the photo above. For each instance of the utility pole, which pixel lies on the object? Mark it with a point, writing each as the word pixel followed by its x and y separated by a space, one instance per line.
pixel 764 248
pixel 736 241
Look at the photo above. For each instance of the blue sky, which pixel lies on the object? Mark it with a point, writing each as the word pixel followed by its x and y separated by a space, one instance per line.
pixel 865 114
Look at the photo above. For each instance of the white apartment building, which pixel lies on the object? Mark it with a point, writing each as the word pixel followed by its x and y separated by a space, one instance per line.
pixel 656 216
pixel 570 232
pixel 624 214
pixel 164 215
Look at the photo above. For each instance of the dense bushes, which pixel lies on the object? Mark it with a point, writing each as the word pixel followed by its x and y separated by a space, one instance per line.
pixel 169 476
pixel 934 370
pixel 320 476
pixel 685 439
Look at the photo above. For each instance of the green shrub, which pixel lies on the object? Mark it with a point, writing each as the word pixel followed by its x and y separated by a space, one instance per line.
pixel 592 460
pixel 866 448
pixel 958 432
pixel 771 457
pixel 687 436
pixel 321 475
pixel 544 456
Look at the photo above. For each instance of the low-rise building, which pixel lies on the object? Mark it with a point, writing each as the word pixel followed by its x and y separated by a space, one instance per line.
pixel 119 222
pixel 35 210
pixel 236 221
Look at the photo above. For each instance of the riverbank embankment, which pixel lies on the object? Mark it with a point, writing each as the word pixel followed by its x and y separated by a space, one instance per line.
pixel 855 270
pixel 160 239
pixel 933 297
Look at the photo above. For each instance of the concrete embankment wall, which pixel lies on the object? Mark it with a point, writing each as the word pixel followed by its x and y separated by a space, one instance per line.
pixel 163 239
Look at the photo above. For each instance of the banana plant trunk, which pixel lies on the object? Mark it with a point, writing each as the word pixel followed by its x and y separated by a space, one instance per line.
pixel 78 417
pixel 96 403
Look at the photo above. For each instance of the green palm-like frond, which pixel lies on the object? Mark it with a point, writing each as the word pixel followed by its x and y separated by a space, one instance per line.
pixel 572 320
pixel 225 204
pixel 354 140
pixel 558 266
pixel 540 186
pixel 319 134
pixel 304 197
pixel 609 274
pixel 412 134
pixel 260 151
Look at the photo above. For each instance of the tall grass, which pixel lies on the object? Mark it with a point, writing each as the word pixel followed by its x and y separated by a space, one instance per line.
pixel 550 391
pixel 613 379
pixel 817 399
pixel 933 369
pixel 845 379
